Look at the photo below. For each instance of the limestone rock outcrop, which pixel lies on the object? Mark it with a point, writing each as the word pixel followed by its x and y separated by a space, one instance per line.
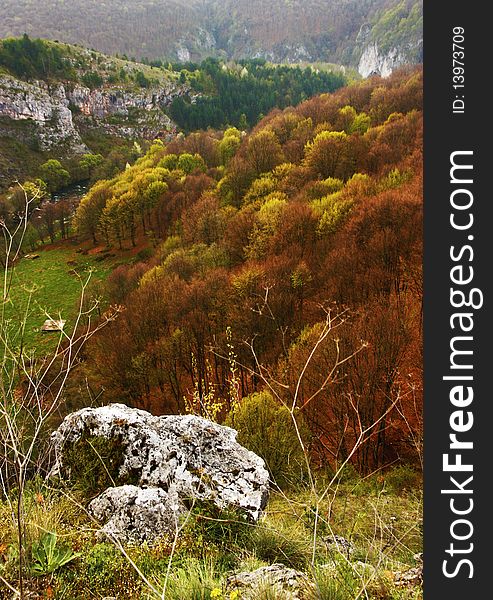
pixel 50 116
pixel 375 61
pixel 284 582
pixel 135 514
pixel 339 544
pixel 45 108
pixel 172 459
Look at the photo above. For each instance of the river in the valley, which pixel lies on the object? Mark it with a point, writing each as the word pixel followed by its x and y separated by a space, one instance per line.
pixel 73 192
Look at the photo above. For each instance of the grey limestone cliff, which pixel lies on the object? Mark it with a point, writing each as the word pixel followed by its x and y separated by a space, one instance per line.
pixel 375 61
pixel 51 114
pixel 44 108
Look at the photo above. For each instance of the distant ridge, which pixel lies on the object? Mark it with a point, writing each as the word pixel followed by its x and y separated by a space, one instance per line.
pixel 338 31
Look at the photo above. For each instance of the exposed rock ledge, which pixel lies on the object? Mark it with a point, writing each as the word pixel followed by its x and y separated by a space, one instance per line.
pixel 375 62
pixel 47 109
pixel 175 459
pixel 284 582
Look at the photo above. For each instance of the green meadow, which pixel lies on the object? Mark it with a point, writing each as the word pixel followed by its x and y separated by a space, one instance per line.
pixel 49 286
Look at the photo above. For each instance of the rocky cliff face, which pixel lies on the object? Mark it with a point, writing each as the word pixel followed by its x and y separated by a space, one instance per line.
pixel 121 112
pixel 50 114
pixel 392 39
pixel 101 103
pixel 199 42
pixel 374 61
pixel 45 110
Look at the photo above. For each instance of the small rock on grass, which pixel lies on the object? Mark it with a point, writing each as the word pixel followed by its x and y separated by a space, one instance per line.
pixel 288 583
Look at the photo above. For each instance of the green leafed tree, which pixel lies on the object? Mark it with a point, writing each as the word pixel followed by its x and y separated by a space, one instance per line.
pixel 54 175
pixel 89 162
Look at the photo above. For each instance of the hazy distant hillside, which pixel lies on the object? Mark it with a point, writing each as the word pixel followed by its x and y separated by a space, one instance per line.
pixel 135 27
pixel 279 30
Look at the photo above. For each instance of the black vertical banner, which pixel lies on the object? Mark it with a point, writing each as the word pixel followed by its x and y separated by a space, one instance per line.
pixel 458 355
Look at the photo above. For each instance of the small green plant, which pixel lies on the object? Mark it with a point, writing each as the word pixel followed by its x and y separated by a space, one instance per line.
pixel 281 541
pixel 48 555
pixel 266 427
pixel 102 571
pixel 9 559
pixel 195 579
pixel 335 582
pixel 402 479
pixel 210 529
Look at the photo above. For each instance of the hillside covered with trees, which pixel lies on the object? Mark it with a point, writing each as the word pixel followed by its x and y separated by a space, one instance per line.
pixel 115 102
pixel 279 30
pixel 261 242
pixel 239 93
pixel 257 289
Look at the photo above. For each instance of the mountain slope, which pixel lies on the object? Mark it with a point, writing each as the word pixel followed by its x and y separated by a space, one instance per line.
pixel 256 233
pixel 61 101
pixel 278 30
pixel 56 98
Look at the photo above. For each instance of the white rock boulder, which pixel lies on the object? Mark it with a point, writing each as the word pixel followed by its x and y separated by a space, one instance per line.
pixel 135 514
pixel 281 581
pixel 183 457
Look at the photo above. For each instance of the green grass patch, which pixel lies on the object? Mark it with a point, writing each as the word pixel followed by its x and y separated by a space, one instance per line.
pixel 50 285
pixel 382 526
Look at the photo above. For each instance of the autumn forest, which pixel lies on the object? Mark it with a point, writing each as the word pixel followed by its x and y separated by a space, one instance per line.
pixel 212 305
pixel 286 259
